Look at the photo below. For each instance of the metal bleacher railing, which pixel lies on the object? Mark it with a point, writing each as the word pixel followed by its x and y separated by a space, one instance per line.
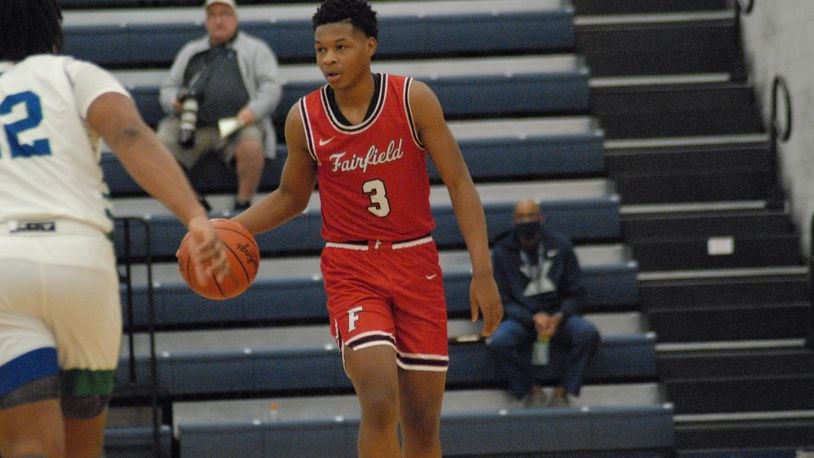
pixel 134 386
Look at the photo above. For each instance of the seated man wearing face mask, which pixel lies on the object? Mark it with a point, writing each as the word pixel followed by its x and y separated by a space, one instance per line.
pixel 539 280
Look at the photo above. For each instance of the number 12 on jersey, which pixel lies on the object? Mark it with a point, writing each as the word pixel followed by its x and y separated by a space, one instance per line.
pixel 27 103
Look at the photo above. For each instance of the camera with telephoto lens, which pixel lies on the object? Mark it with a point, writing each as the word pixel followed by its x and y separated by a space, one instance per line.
pixel 189 117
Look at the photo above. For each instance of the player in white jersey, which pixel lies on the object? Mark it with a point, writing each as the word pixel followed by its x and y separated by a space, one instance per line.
pixel 60 315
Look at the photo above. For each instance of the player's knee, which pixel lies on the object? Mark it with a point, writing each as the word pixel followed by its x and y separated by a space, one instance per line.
pixel 84 407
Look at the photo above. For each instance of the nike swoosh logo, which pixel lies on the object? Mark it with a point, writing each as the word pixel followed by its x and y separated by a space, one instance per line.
pixel 325 141
pixel 430 277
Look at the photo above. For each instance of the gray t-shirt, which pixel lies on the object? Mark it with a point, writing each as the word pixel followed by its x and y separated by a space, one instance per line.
pixel 219 88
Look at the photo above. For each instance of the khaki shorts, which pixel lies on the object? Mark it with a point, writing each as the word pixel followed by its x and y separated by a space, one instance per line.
pixel 207 139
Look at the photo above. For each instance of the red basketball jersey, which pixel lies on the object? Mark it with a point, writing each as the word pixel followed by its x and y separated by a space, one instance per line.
pixel 373 181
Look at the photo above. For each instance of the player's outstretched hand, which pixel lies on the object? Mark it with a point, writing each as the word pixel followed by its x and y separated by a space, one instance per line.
pixel 206 250
pixel 484 297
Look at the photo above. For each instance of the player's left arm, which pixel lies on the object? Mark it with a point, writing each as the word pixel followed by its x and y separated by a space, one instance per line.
pixel 433 131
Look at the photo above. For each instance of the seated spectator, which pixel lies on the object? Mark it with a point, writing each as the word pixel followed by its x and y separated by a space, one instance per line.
pixel 226 74
pixel 539 279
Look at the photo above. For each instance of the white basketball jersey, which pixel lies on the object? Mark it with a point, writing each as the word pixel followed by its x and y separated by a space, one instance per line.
pixel 49 156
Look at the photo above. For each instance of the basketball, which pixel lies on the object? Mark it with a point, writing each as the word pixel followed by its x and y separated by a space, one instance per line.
pixel 243 256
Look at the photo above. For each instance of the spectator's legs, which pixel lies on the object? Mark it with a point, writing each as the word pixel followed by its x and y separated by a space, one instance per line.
pixel 249 161
pixel 581 339
pixel 511 347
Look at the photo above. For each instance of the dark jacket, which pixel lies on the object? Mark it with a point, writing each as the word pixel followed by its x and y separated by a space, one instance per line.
pixel 564 273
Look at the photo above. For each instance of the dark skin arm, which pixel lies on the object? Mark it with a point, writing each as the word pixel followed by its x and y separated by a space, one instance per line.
pixel 115 118
pixel 446 155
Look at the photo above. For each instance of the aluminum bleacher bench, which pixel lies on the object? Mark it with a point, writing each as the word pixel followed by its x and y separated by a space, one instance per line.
pixel 495 150
pixel 466 87
pixel 630 430
pixel 286 300
pixel 582 219
pixel 127 39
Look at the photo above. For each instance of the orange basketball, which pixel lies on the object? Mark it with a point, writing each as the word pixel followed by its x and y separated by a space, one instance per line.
pixel 244 259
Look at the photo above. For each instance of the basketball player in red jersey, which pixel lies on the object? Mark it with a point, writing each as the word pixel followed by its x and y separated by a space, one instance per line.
pixel 364 138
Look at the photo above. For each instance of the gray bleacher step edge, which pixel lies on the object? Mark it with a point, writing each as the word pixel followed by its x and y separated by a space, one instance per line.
pixel 614 145
pixel 296 408
pixel 489 193
pixel 656 18
pixel 657 80
pixel 274 13
pixel 721 273
pixel 425 69
pixel 248 340
pixel 695 207
pixel 664 348
pixel 308 266
pixel 743 416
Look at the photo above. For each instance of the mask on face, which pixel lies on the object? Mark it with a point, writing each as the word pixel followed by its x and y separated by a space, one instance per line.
pixel 528 231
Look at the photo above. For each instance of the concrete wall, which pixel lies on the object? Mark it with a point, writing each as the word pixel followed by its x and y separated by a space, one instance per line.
pixel 779 40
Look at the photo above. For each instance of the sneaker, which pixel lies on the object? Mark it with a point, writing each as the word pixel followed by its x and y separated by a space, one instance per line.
pixel 559 401
pixel 240 206
pixel 535 398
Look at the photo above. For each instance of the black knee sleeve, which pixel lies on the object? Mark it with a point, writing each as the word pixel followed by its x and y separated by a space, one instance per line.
pixel 83 407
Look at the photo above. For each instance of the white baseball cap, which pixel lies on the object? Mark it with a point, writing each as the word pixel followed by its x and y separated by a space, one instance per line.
pixel 225 2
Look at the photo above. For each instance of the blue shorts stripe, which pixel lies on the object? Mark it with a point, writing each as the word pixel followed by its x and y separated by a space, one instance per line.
pixel 28 367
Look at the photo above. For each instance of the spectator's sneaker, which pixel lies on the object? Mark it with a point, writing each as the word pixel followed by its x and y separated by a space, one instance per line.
pixel 240 206
pixel 535 398
pixel 559 401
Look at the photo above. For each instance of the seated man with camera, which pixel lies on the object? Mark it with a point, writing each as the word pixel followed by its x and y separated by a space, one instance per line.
pixel 227 78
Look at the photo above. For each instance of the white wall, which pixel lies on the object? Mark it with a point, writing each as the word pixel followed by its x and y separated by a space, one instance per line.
pixel 779 40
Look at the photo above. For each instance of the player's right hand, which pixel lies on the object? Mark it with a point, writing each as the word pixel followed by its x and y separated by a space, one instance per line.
pixel 206 250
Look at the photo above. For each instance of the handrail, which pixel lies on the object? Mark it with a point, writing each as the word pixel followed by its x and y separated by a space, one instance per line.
pixel 776 198
pixel 127 260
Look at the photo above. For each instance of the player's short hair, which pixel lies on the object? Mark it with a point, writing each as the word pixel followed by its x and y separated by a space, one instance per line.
pixel 29 27
pixel 357 12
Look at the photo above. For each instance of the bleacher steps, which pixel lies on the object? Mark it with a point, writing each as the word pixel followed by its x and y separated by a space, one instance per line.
pixel 602 7
pixel 676 109
pixel 686 170
pixel 738 378
pixel 635 411
pixel 749 434
pixel 664 43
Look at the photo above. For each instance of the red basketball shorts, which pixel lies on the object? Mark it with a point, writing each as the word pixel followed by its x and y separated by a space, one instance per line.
pixel 388 294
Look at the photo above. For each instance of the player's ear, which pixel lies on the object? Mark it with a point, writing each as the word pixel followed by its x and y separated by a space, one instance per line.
pixel 372 45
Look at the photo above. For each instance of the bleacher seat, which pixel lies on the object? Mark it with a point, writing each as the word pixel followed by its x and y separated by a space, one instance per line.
pixel 296 299
pixel 583 219
pixel 304 358
pixel 595 431
pixel 466 87
pixel 116 39
pixel 495 150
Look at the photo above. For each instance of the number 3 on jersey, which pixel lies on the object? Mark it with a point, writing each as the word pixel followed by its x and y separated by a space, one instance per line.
pixel 377 193
pixel 26 109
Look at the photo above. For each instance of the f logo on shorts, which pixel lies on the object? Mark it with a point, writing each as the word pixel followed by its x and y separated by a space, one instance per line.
pixel 353 317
